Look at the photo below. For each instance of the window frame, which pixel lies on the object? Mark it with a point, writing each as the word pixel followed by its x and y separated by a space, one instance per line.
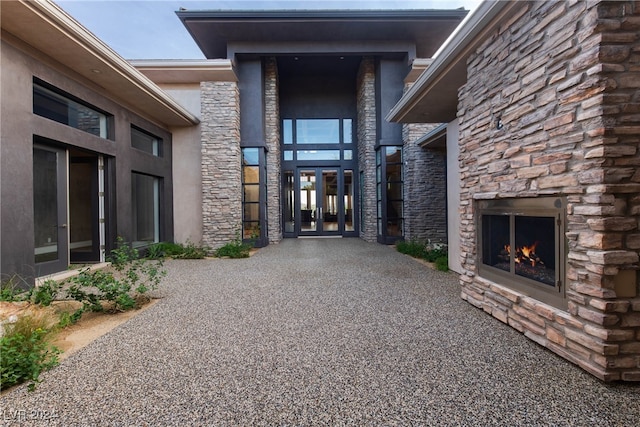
pixel 44 89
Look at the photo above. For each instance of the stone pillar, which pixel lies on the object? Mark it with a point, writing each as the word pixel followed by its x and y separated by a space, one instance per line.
pixel 366 147
pixel 425 188
pixel 221 159
pixel 272 133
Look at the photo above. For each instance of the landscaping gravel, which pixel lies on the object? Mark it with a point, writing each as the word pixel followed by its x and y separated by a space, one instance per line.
pixel 316 332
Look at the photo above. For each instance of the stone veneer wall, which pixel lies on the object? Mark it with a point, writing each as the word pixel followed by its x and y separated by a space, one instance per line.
pixel 564 78
pixel 272 131
pixel 221 159
pixel 366 125
pixel 425 187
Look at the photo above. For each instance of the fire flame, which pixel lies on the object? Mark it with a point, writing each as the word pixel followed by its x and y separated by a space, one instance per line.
pixel 525 254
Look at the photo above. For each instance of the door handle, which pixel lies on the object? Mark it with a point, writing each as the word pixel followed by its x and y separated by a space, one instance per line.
pixel 63 226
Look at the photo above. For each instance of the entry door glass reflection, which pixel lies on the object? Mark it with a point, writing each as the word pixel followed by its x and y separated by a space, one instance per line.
pixel 329 209
pixel 308 220
pixel 45 204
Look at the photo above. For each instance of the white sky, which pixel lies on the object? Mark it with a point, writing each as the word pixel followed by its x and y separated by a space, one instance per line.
pixel 150 29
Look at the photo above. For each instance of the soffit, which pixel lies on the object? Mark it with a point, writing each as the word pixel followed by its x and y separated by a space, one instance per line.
pixel 50 30
pixel 187 71
pixel 214 30
pixel 434 96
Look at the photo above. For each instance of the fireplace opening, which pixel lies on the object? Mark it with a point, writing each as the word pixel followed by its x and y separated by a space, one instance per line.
pixel 521 244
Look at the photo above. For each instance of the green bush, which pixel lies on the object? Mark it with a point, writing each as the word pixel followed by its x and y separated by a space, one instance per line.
pixel 14 289
pixel 26 351
pixel 234 249
pixel 177 251
pixel 442 263
pixel 134 277
pixel 412 248
pixel 428 252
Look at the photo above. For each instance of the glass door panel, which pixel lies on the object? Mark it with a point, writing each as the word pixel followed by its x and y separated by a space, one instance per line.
pixel 329 206
pixel 308 202
pixel 51 248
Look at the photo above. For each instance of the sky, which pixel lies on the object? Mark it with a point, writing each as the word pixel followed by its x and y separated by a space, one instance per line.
pixel 150 29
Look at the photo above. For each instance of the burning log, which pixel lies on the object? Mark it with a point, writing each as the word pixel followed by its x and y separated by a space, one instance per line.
pixel 523 255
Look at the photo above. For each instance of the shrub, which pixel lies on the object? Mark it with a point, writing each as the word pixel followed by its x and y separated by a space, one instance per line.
pixel 442 263
pixel 436 253
pixel 26 351
pixel 234 249
pixel 412 248
pixel 124 290
pixel 13 290
pixel 177 251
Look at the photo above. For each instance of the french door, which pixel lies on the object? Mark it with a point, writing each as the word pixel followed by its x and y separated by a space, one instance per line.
pixel 51 233
pixel 323 201
pixel 67 195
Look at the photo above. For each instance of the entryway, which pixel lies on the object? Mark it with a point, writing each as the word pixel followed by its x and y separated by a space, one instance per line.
pixel 320 201
pixel 68 201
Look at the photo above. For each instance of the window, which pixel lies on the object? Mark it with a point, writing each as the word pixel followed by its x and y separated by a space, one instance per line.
pixel 146 142
pixel 63 108
pixel 317 139
pixel 251 193
pixel 389 193
pixel 145 202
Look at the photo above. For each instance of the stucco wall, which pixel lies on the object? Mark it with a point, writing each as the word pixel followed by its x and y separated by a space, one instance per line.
pixel 453 197
pixel 187 157
pixel 20 64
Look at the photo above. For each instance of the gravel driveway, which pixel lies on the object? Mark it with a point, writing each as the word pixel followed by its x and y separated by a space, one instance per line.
pixel 316 332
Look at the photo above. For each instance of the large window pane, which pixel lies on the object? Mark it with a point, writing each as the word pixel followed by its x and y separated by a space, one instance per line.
pixel 318 131
pixel 145 200
pixel 62 109
pixel 251 161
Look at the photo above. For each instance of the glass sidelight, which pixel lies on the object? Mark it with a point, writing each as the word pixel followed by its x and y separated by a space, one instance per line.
pixel 51 248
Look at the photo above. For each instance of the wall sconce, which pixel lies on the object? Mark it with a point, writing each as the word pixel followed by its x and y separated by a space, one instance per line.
pixel 499 124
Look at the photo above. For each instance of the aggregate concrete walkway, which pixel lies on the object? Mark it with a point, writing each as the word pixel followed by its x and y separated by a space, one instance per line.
pixel 317 332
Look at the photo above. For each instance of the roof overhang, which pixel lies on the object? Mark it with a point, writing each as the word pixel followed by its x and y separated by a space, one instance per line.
pixel 215 31
pixel 47 28
pixel 435 139
pixel 187 71
pixel 434 96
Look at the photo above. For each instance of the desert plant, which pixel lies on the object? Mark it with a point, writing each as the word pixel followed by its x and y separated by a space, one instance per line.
pixel 133 278
pixel 187 250
pixel 46 293
pixel 234 249
pixel 14 289
pixel 26 351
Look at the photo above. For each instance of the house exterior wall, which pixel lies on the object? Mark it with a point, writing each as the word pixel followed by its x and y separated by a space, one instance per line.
pixel 366 129
pixel 425 186
pixel 221 163
pixel 453 197
pixel 563 78
pixel 187 180
pixel 20 64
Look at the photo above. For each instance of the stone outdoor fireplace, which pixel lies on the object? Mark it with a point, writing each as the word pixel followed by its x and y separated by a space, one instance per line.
pixel 521 244
pixel 549 168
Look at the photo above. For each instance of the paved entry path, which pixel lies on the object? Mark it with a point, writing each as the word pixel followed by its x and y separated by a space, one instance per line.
pixel 318 332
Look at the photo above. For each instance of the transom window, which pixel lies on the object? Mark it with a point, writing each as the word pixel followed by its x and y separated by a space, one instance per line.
pixel 61 107
pixel 317 139
pixel 146 142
